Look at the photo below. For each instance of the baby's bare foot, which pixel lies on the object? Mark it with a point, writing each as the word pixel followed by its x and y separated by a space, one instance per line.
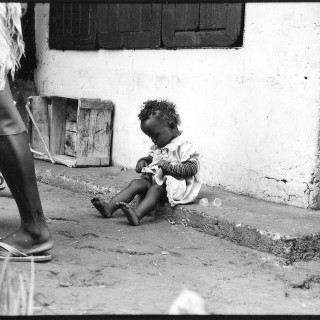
pixel 102 207
pixel 130 213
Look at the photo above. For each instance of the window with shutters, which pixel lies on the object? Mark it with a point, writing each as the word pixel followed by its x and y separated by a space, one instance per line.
pixel 93 26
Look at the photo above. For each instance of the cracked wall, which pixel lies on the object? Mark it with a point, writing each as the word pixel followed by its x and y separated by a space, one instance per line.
pixel 253 110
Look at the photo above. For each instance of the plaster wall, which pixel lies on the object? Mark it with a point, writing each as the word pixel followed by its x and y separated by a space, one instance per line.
pixel 254 111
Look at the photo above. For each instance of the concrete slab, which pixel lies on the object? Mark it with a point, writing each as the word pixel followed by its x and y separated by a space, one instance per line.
pixel 288 232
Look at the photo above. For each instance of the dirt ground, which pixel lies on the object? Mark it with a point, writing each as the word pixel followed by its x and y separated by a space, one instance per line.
pixel 105 266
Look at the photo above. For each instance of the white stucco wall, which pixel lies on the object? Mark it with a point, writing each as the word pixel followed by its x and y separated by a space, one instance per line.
pixel 254 111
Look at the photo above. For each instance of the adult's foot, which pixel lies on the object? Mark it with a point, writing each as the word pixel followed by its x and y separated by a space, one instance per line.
pixel 102 206
pixel 28 242
pixel 131 214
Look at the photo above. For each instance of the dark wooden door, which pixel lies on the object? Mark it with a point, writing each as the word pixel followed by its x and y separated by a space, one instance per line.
pixel 129 25
pixel 201 24
pixel 73 26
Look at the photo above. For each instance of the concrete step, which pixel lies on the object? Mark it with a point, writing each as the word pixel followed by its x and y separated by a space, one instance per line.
pixel 288 232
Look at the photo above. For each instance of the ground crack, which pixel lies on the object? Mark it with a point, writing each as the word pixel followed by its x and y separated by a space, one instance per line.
pixel 131 252
pixel 62 219
pixel 278 180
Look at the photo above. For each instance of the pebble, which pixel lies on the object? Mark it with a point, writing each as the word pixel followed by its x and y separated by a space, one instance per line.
pixel 204 202
pixel 217 202
pixel 65 284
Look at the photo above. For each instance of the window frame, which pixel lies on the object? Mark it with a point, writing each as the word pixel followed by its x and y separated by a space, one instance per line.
pixel 83 26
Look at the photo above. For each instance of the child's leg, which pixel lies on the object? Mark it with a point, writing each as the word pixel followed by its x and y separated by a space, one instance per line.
pixel 148 204
pixel 137 186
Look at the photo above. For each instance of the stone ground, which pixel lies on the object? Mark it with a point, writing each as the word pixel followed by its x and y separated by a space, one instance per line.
pixel 105 266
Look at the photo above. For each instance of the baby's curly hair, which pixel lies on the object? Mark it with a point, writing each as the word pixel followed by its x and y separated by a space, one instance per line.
pixel 162 109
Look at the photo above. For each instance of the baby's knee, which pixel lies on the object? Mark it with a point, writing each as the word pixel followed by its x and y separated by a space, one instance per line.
pixel 138 184
pixel 157 189
pixel 134 183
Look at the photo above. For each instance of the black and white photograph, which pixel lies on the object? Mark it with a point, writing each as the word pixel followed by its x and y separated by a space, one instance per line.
pixel 159 158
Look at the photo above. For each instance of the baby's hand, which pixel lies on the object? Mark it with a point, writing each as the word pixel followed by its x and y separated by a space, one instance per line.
pixel 141 164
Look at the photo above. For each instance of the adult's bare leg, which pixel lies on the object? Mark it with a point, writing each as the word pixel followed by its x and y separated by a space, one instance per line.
pixel 17 167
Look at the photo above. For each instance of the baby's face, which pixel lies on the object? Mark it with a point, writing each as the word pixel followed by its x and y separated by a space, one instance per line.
pixel 158 130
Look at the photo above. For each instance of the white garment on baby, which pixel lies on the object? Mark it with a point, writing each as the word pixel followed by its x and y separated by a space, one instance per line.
pixel 177 151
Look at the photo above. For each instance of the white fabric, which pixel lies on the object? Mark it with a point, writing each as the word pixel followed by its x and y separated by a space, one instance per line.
pixel 11 42
pixel 179 150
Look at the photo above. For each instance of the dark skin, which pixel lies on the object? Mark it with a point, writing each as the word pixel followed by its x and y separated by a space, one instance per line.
pixel 17 167
pixel 161 132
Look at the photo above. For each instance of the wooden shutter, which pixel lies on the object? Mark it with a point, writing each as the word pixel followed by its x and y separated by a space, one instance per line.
pixel 72 26
pixel 129 25
pixel 85 26
pixel 202 24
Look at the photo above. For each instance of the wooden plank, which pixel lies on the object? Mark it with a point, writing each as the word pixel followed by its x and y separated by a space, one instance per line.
pixel 213 16
pixel 100 121
pixel 135 11
pixel 86 39
pixel 102 17
pixel 88 138
pixel 206 16
pixel 94 133
pixel 136 40
pixel 83 138
pixel 110 40
pixel 234 24
pixel 93 161
pixel 124 17
pixel 67 19
pixel 168 21
pixel 39 108
pixel 70 143
pixel 187 16
pixel 201 39
pixel 72 109
pixel 84 19
pixel 75 14
pixel 57 125
pixel 155 37
pixel 96 104
pixel 101 134
pixel 146 16
pixel 226 27
pixel 192 16
pixel 187 39
pixel 180 16
pixel 113 17
pixel 55 22
pixel 75 29
pixel 65 160
pixel 220 11
pixel 135 34
pixel 35 125
pixel 71 126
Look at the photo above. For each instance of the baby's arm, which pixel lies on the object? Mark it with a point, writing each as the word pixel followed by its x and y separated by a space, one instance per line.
pixel 143 162
pixel 186 169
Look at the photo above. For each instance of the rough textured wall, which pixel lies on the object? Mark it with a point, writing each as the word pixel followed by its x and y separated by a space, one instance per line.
pixel 254 111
